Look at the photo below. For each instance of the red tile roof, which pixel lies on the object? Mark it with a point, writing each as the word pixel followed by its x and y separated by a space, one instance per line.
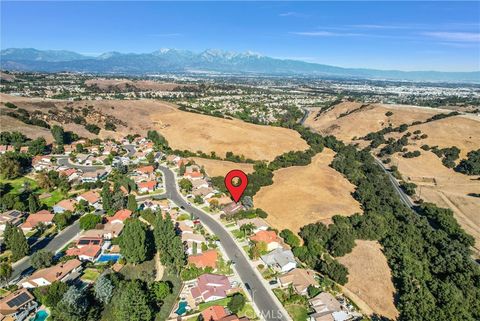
pixel 265 236
pixel 121 215
pixel 205 259
pixel 146 169
pixel 148 185
pixel 68 205
pixel 89 251
pixel 43 216
pixel 214 313
pixel 91 196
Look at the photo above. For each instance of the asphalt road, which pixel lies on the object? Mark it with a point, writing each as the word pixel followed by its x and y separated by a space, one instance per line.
pixel 22 267
pixel 262 296
pixel 64 161
pixel 404 197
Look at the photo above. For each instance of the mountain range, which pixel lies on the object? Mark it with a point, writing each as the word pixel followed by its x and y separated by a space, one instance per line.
pixel 212 60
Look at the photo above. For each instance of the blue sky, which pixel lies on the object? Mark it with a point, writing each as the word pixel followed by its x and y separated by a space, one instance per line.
pixel 386 35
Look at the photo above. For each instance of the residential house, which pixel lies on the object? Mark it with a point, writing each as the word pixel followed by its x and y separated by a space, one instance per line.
pixel 41 162
pixel 206 259
pixel 24 149
pixel 106 231
pixel 13 217
pixel 210 287
pixel 147 187
pixel 65 205
pixel 232 208
pixel 193 242
pixel 280 259
pixel 92 197
pixel 193 175
pixel 85 253
pixel 259 223
pixel 89 177
pixel 204 192
pixel 17 305
pixel 33 220
pixel 269 237
pixel 63 272
pixel 71 173
pixel 120 216
pixel 300 279
pixel 234 317
pixel 199 183
pixel 327 308
pixel 214 313
pixel 145 170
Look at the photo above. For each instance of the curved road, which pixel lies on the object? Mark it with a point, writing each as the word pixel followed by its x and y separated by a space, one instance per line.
pixel 269 306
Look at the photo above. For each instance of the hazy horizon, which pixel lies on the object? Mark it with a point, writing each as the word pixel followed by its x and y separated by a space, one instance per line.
pixel 410 36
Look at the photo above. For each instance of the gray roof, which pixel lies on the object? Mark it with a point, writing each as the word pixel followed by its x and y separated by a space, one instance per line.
pixel 279 256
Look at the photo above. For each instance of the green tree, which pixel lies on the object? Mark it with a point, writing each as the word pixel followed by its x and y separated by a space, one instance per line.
pixel 236 303
pixel 198 199
pixel 51 295
pixel 33 203
pixel 103 289
pixel 161 290
pixel 168 243
pixel 290 238
pixel 133 241
pixel 185 185
pixel 132 203
pixel 73 306
pixel 17 243
pixel 41 259
pixel 5 271
pixel 89 221
pixel 58 134
pixel 247 229
pixel 106 195
pixel 132 303
pixel 10 166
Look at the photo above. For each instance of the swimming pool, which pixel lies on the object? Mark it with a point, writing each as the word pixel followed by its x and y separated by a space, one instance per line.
pixel 108 258
pixel 182 308
pixel 41 315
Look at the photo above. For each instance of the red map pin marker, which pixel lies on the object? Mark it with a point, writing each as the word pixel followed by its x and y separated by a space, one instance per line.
pixel 236 191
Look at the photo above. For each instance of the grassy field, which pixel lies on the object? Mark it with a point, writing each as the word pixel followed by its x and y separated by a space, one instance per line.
pixel 19 185
pixel 369 277
pixel 307 194
pixel 215 167
pixel 90 275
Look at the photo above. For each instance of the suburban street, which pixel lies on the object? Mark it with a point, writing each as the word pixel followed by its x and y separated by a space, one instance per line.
pixel 269 306
pixel 50 244
pixel 64 160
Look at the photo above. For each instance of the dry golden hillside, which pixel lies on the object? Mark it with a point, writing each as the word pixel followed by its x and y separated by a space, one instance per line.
pixel 306 194
pixel 215 167
pixel 370 279
pixel 350 119
pixel 183 130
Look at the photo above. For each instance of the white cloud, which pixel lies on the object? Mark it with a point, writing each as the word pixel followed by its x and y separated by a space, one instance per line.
pixel 326 34
pixel 292 14
pixel 454 36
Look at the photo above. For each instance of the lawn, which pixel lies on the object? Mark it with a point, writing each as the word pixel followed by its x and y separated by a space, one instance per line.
pixel 221 302
pixel 56 196
pixel 144 271
pixel 18 187
pixel 238 234
pixel 3 292
pixel 90 275
pixel 248 312
pixel 297 312
pixel 170 300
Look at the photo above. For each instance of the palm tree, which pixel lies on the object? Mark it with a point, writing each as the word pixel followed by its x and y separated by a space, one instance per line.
pixel 247 229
